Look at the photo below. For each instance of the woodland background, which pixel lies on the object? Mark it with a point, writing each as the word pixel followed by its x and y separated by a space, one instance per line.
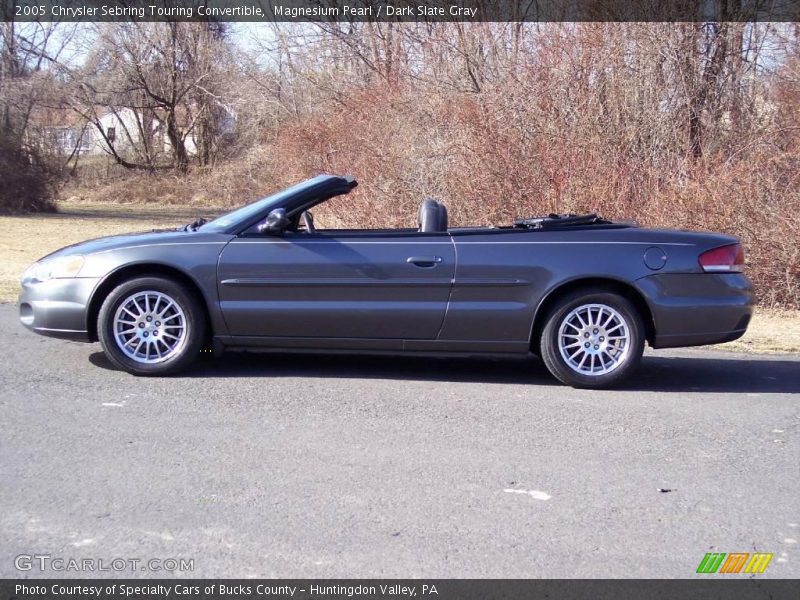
pixel 690 125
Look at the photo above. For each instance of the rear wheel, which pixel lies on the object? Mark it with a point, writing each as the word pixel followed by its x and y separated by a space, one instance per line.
pixel 592 339
pixel 151 326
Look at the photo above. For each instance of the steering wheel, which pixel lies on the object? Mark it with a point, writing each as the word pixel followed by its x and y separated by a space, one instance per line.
pixel 308 221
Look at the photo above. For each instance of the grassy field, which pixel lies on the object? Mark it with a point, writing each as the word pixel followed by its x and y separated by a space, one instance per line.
pixel 770 331
pixel 24 239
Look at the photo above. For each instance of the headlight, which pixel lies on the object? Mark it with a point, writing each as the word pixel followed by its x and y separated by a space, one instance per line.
pixel 54 268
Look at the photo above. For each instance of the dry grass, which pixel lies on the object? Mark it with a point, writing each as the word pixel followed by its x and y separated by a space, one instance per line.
pixel 770 331
pixel 24 239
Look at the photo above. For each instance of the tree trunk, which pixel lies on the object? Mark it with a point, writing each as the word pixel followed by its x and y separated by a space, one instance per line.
pixel 177 143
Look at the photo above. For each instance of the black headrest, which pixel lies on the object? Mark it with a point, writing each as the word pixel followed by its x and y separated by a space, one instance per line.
pixel 432 216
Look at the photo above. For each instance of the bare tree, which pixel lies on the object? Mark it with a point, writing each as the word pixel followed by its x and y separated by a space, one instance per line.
pixel 168 78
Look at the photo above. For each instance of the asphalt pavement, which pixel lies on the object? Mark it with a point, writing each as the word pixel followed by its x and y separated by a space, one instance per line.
pixel 314 466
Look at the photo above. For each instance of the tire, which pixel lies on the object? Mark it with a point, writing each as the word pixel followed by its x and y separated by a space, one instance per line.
pixel 137 312
pixel 610 325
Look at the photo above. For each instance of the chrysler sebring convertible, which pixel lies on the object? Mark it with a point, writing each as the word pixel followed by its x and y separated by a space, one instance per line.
pixel 583 293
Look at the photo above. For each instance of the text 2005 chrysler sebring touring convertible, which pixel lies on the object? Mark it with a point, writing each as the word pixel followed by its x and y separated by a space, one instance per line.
pixel 582 293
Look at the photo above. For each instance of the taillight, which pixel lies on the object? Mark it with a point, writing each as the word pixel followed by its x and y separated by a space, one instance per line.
pixel 725 259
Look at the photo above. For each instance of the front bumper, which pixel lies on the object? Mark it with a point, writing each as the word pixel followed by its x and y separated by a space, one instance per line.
pixel 695 309
pixel 58 307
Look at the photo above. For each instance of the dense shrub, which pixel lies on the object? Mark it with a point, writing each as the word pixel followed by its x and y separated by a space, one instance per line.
pixel 25 183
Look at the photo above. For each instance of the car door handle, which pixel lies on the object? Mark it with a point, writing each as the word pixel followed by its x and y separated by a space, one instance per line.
pixel 424 261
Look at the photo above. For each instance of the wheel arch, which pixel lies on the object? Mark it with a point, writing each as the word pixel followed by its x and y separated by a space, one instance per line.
pixel 624 289
pixel 115 278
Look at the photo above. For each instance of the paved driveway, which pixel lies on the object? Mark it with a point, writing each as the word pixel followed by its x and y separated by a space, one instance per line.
pixel 285 466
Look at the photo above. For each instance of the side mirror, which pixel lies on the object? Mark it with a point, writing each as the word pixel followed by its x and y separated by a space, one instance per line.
pixel 276 222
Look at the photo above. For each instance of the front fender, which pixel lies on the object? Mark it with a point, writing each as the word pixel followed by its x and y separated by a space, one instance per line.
pixel 194 263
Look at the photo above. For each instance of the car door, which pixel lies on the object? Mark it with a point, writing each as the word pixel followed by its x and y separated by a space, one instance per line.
pixel 337 284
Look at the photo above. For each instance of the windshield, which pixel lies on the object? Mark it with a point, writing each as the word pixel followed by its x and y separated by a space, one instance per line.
pixel 250 211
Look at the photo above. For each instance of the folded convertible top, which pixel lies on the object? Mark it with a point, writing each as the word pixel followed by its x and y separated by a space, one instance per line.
pixel 554 221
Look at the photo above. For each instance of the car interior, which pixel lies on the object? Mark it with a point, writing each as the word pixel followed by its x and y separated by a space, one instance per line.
pixel 431 218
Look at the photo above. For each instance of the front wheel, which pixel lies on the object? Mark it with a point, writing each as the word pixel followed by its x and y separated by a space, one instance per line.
pixel 592 339
pixel 151 326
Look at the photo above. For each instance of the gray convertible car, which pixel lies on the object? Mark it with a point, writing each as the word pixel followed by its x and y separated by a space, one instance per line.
pixel 582 293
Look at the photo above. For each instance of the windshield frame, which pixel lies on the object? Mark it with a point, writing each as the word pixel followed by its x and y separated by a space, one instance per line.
pixel 240 219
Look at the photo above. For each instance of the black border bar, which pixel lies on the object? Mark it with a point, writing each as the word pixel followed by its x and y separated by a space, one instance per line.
pixel 714 587
pixel 402 10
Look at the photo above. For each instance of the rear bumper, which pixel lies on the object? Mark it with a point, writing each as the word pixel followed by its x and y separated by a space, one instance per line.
pixel 57 308
pixel 695 309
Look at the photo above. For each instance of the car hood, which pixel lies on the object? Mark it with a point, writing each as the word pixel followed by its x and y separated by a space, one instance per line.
pixel 127 240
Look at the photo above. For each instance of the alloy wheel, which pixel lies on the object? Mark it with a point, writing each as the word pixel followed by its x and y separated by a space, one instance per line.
pixel 150 327
pixel 594 339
